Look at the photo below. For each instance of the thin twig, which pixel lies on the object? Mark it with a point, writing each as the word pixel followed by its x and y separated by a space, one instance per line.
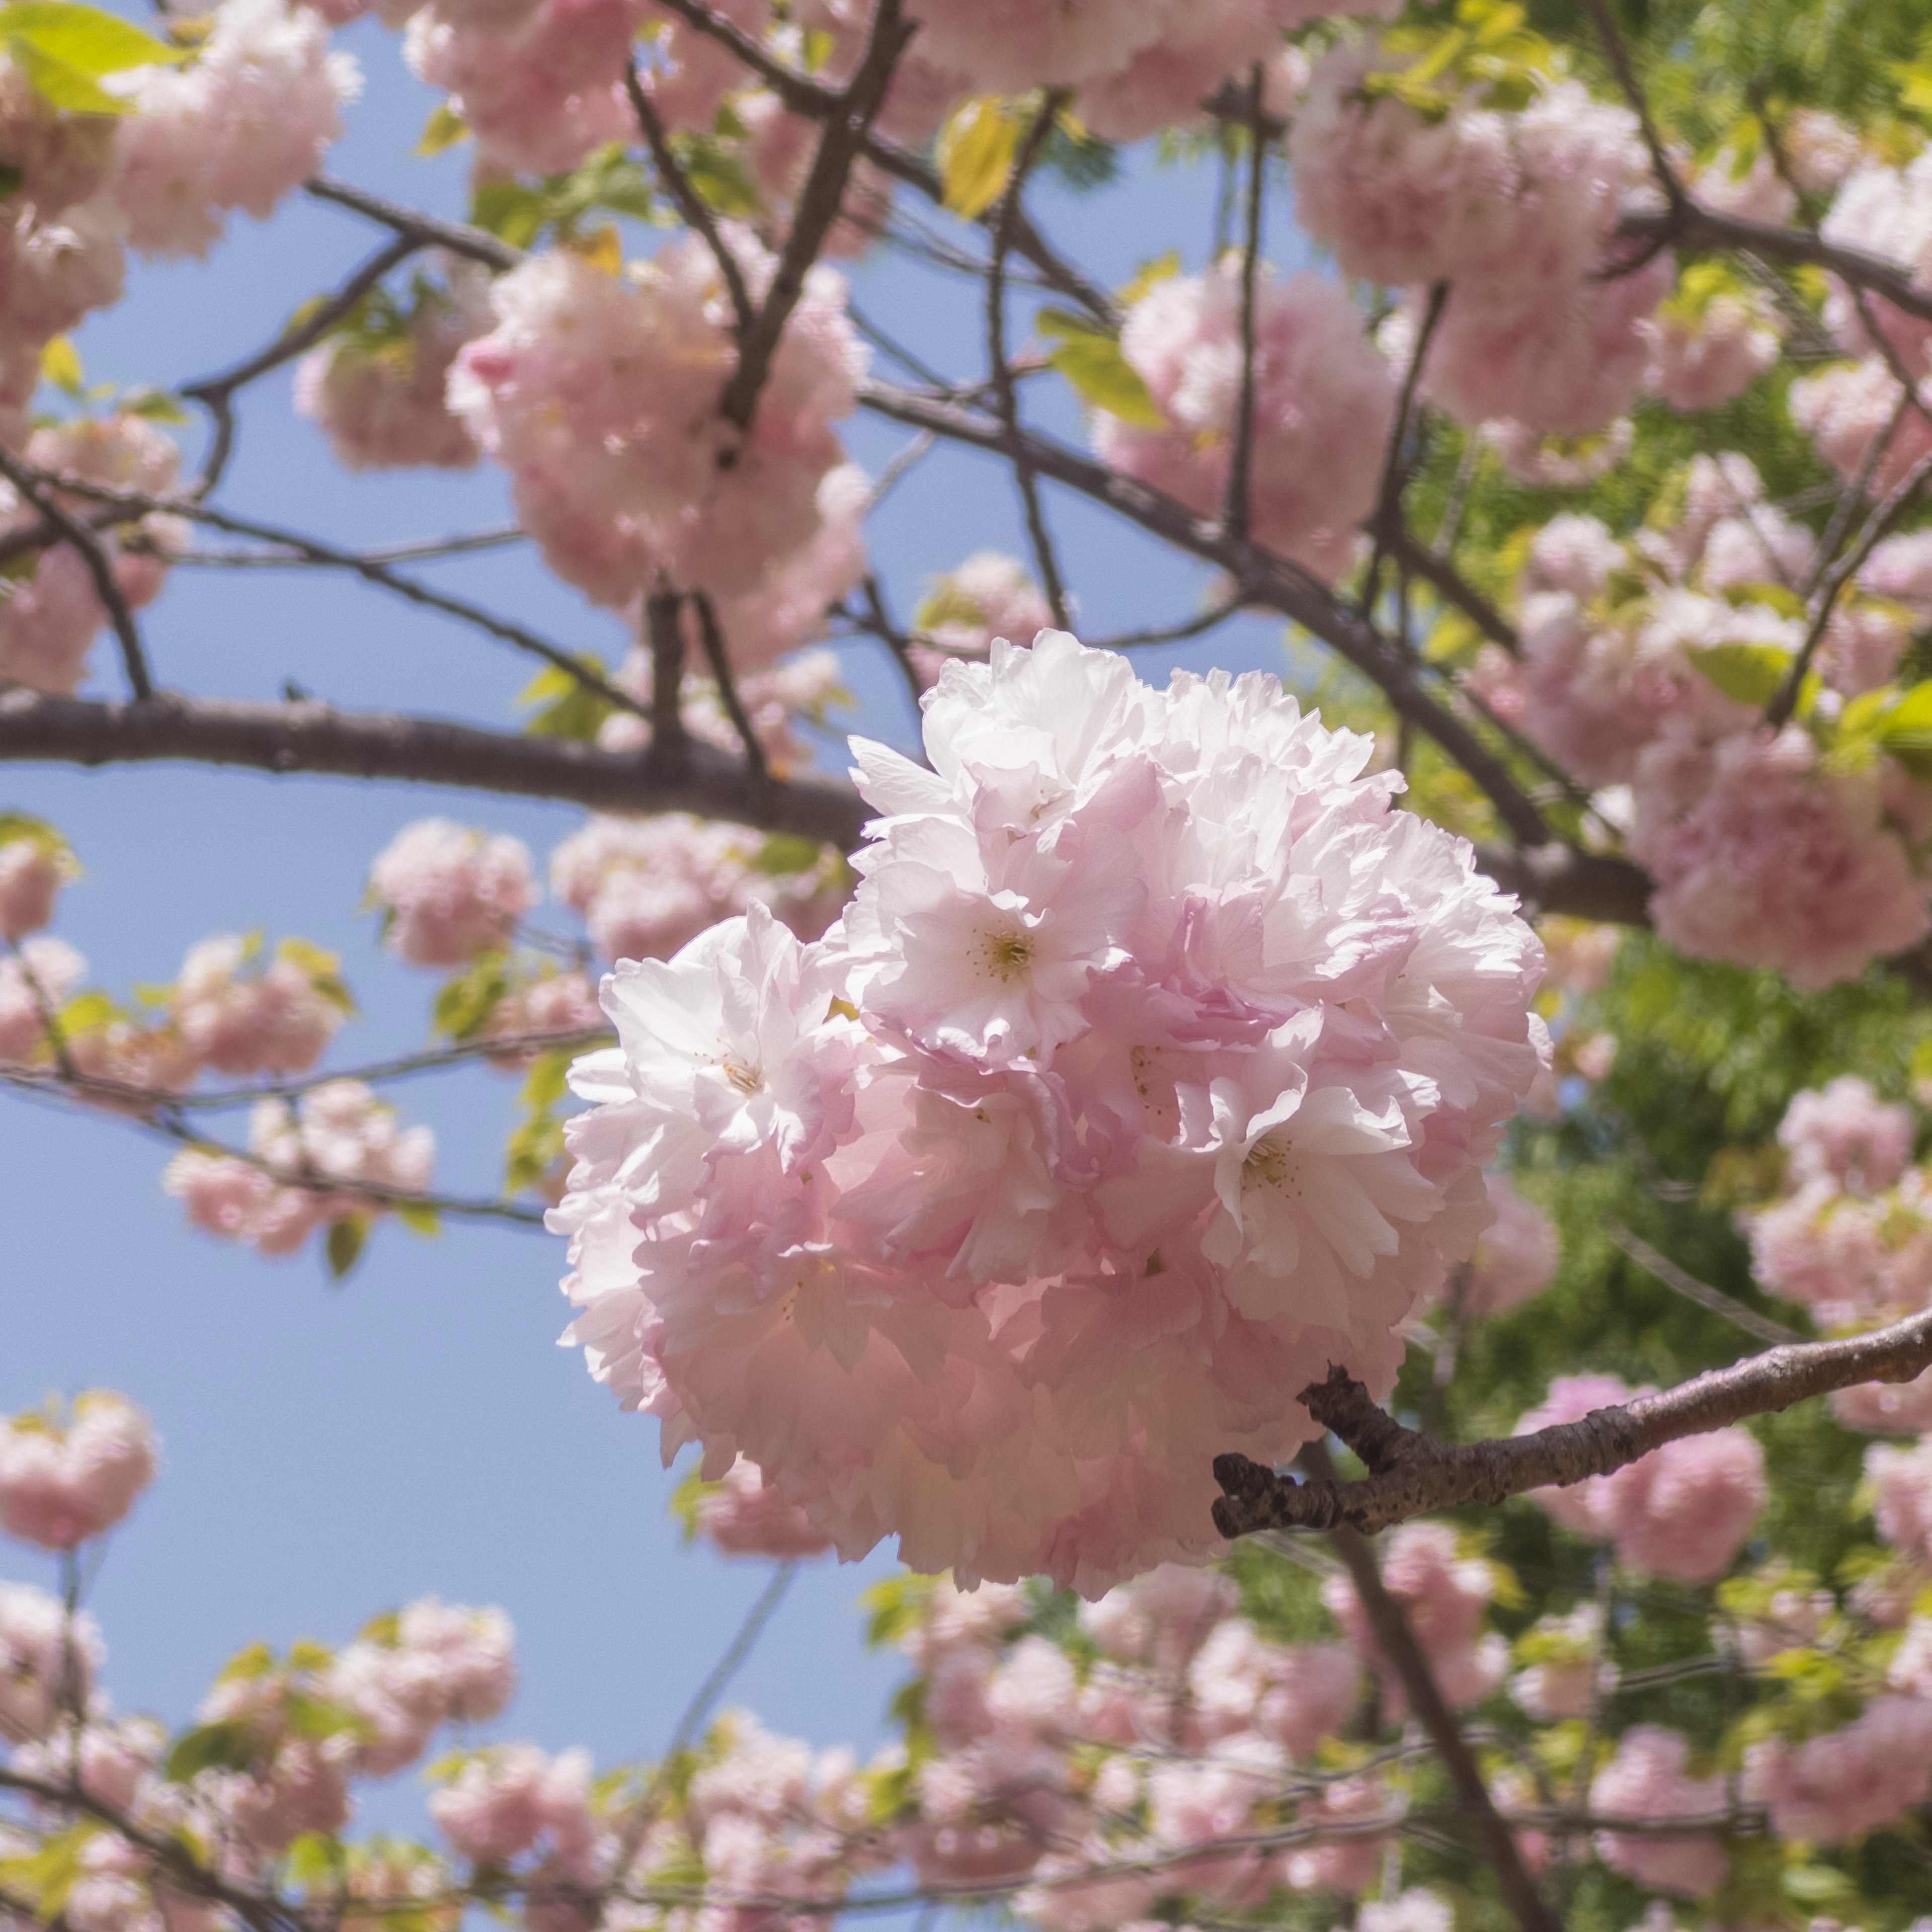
pixel 362 564
pixel 34 484
pixel 1618 56
pixel 817 207
pixel 1882 517
pixel 435 1059
pixel 427 550
pixel 1389 520
pixel 1175 633
pixel 477 245
pixel 216 394
pixel 1235 516
pixel 691 204
pixel 719 659
pixel 1714 1299
pixel 1007 396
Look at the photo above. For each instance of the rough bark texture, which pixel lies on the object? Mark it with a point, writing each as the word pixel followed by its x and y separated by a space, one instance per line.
pixel 312 737
pixel 1410 1474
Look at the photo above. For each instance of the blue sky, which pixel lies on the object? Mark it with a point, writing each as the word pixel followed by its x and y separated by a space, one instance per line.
pixel 333 1451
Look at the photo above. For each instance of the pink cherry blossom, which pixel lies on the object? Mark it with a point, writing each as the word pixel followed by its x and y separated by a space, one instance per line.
pixel 33 981
pixel 63 1479
pixel 47 1660
pixel 503 1800
pixel 242 125
pixel 1323 401
pixel 1850 412
pixel 1698 362
pixel 449 893
pixel 1647 1781
pixel 951 1317
pixel 1516 1258
pixel 599 392
pixel 1901 1480
pixel 1685 1509
pixel 1849 1781
pixel 241 1016
pixel 1445 1595
pixel 1762 858
pixel 746 1516
pixel 1845 1133
pixel 32 871
pixel 990 595
pixel 380 397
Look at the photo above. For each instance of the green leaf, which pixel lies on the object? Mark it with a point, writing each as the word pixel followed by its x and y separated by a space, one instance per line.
pixel 548 1080
pixel 153 405
pixel 784 853
pixel 691 1491
pixel 1092 361
pixel 18 826
pixel 257 1660
pixel 565 707
pixel 48 1874
pixel 12 180
pixel 347 1238
pixel 507 210
pixel 60 85
pixel 60 364
pixel 718 176
pixel 1752 673
pixel 1817 1885
pixel 305 1654
pixel 229 1745
pixel 444 129
pixel 463 1006
pixel 322 969
pixel 85 39
pixel 895 1608
pixel 976 153
pixel 419 1217
pixel 1150 275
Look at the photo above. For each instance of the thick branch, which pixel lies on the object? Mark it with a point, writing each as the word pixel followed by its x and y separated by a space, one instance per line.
pixel 804 95
pixel 312 737
pixel 847 129
pixel 1411 1474
pixel 1700 230
pixel 1241 460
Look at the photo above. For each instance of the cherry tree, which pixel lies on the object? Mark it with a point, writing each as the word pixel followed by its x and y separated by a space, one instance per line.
pixel 1364 1234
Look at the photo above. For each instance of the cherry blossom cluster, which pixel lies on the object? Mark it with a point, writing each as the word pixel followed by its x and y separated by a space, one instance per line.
pixel 51 614
pixel 337 1153
pixel 1683 1510
pixel 68 1474
pixel 378 388
pixel 599 393
pixel 1849 1235
pixel 238 123
pixel 1765 850
pixel 1153 1068
pixel 1324 404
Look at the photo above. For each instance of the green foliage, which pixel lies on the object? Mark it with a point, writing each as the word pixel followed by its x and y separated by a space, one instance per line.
pixel 1091 360
pixel 563 706
pixel 561 207
pixel 536 1143
pixel 65 51
pixel 348 1235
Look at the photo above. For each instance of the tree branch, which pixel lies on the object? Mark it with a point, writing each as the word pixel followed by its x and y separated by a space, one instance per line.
pixel 1241 458
pixel 216 394
pixel 804 95
pixel 690 203
pixel 312 737
pixel 477 245
pixel 1006 398
pixel 1411 1474
pixel 33 484
pixel 364 565
pixel 719 658
pixel 1699 230
pixel 848 126
pixel 1396 1642
pixel 1273 582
